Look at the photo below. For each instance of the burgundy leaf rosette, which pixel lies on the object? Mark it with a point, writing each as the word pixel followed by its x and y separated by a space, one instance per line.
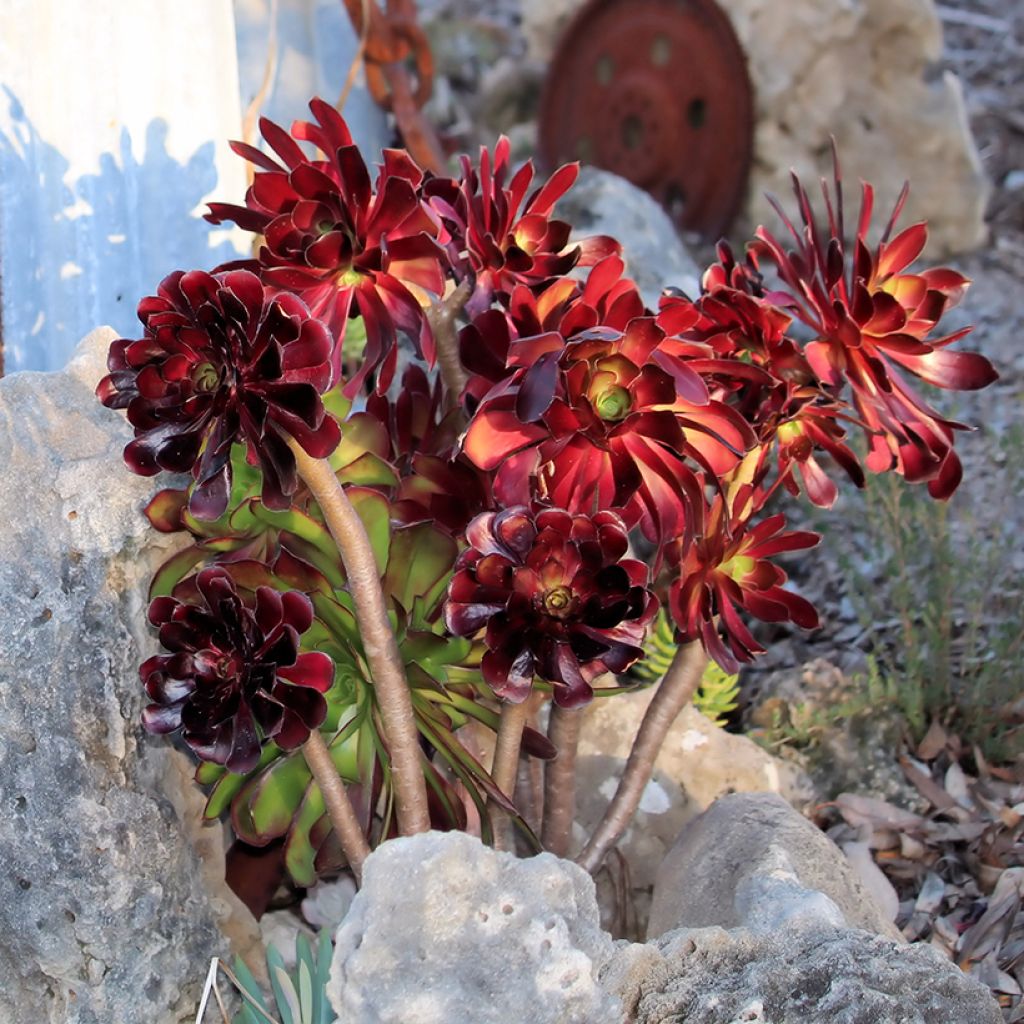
pixel 502 233
pixel 235 678
pixel 726 568
pixel 555 596
pixel 342 243
pixel 222 360
pixel 875 329
pixel 607 417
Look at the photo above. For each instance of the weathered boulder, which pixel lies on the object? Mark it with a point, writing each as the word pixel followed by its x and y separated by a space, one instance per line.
pixel 750 859
pixel 602 203
pixel 111 909
pixel 817 975
pixel 862 71
pixel 447 931
pixel 698 763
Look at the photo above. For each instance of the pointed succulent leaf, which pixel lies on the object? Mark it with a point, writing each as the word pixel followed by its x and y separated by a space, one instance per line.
pixel 227 787
pixel 287 998
pixel 421 560
pixel 174 570
pixel 251 988
pixel 299 851
pixel 207 773
pixel 266 806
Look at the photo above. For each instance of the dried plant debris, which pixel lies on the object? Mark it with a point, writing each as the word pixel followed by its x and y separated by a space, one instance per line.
pixel 957 870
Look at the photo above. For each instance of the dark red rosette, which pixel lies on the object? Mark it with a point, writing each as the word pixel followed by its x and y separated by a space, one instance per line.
pixel 874 326
pixel 222 359
pixel 500 234
pixel 565 307
pixel 555 597
pixel 342 244
pixel 235 678
pixel 724 568
pixel 606 416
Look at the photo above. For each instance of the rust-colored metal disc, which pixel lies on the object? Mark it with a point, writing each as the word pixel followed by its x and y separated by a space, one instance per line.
pixel 658 92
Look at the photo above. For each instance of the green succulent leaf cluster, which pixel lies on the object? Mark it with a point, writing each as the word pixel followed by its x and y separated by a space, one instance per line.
pixel 292 550
pixel 299 995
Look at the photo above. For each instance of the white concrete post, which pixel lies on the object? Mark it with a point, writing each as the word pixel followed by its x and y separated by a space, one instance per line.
pixel 114 120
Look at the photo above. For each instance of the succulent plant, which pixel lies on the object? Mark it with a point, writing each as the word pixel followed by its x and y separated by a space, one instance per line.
pixel 340 243
pixel 222 360
pixel 555 597
pixel 235 677
pixel 299 996
pixel 873 325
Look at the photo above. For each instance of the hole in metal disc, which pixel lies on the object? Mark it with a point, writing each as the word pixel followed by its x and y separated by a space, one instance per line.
pixel 661 50
pixel 605 69
pixel 675 199
pixel 697 112
pixel 632 129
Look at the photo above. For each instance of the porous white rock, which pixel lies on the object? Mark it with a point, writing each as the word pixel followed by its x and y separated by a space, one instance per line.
pixel 111 903
pixel 447 931
pixel 794 975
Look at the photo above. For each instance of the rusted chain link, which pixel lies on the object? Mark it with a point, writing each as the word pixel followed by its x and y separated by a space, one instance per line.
pixel 393 41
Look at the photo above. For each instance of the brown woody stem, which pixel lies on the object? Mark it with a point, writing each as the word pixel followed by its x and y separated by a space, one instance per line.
pixel 443 317
pixel 506 764
pixel 339 807
pixel 674 692
pixel 379 644
pixel 560 780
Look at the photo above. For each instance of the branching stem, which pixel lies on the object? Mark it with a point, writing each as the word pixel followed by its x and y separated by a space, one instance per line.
pixel 560 780
pixel 339 807
pixel 506 764
pixel 443 319
pixel 674 692
pixel 379 644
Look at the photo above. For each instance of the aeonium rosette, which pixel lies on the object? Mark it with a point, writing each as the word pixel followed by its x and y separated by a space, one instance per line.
pixel 605 419
pixel 222 360
pixel 555 597
pixel 235 677
pixel 725 567
pixel 876 323
pixel 500 234
pixel 340 243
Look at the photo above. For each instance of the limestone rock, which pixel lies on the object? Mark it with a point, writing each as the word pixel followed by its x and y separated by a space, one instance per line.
pixel 105 916
pixel 705 760
pixel 821 975
pixel 751 860
pixel 698 763
pixel 447 931
pixel 602 203
pixel 859 70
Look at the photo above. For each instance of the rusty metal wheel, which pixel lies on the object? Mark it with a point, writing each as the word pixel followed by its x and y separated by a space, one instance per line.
pixel 658 92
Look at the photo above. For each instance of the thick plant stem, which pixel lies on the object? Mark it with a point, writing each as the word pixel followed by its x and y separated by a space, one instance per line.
pixel 560 780
pixel 339 807
pixel 674 692
pixel 443 317
pixel 506 764
pixel 379 644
